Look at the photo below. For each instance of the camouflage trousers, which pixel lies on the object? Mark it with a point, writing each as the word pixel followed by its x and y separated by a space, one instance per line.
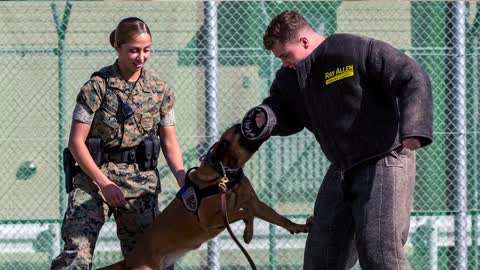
pixel 85 216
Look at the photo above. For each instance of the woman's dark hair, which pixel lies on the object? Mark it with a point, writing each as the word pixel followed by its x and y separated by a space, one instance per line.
pixel 127 30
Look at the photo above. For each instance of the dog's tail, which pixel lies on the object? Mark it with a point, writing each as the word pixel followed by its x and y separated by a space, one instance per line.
pixel 116 266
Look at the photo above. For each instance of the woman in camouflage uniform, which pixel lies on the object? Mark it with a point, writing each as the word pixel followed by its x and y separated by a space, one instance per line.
pixel 123 105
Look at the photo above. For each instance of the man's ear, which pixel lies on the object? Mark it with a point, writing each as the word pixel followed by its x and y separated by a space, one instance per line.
pixel 305 42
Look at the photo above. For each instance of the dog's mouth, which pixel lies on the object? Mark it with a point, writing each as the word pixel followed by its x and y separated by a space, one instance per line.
pixel 231 151
pixel 252 147
pixel 217 158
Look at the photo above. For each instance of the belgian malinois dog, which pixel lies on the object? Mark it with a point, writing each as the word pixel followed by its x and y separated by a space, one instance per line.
pixel 196 215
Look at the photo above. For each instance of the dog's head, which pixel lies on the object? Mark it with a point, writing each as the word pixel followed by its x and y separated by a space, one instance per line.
pixel 233 150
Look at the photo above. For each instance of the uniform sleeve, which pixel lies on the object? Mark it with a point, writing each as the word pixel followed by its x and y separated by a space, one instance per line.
pixel 283 102
pixel 168 119
pixel 167 116
pixel 91 94
pixel 83 114
pixel 402 77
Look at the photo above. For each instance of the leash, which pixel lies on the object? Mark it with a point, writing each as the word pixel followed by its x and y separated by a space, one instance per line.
pixel 222 185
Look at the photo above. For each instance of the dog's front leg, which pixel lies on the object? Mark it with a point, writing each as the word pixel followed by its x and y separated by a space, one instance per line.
pixel 248 232
pixel 266 213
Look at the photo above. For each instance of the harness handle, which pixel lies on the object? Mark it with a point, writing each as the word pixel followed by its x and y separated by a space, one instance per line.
pixel 222 185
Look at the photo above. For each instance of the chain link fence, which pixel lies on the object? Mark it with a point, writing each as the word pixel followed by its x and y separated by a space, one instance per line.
pixel 49 49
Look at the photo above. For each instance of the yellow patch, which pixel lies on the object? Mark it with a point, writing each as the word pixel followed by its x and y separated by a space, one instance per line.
pixel 338 74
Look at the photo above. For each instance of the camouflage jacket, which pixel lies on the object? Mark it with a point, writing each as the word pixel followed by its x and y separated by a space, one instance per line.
pixel 152 102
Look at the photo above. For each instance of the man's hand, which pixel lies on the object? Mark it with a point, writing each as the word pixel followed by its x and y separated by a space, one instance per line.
pixel 260 119
pixel 411 143
pixel 113 195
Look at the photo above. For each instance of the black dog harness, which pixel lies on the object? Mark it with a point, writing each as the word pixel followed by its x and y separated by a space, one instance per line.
pixel 191 195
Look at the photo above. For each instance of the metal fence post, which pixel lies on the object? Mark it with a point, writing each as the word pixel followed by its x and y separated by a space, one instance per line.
pixel 61 27
pixel 474 38
pixel 209 60
pixel 456 117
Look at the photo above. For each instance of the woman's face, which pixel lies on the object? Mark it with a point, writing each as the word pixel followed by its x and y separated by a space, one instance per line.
pixel 133 55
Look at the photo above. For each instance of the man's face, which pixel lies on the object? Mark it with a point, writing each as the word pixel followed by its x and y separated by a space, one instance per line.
pixel 291 52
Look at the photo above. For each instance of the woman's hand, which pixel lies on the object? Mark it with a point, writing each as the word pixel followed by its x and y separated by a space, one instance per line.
pixel 112 194
pixel 180 177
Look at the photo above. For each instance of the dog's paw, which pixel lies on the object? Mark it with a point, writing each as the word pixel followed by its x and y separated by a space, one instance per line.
pixel 247 236
pixel 301 228
pixel 309 222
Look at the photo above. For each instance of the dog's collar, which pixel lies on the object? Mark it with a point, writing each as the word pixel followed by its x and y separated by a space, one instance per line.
pixel 191 195
pixel 218 166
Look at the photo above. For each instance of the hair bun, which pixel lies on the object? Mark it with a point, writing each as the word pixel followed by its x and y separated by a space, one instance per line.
pixel 112 38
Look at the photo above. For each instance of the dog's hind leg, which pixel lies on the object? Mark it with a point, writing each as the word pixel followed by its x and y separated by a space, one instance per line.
pixel 266 213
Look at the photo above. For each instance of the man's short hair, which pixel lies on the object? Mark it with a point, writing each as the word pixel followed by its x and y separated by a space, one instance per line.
pixel 283 28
